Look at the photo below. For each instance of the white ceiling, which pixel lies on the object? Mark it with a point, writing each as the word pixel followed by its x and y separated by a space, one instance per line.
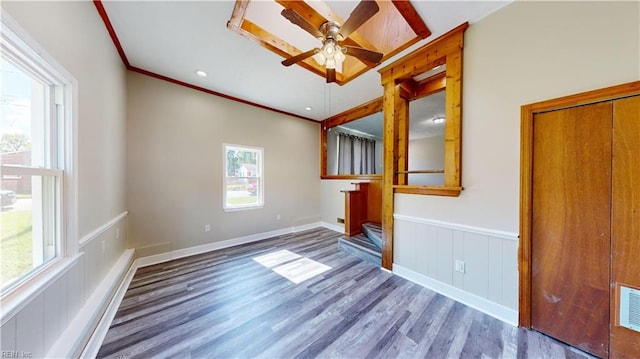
pixel 175 39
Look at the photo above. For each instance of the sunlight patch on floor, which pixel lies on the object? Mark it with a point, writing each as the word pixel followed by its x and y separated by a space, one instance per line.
pixel 292 266
pixel 273 259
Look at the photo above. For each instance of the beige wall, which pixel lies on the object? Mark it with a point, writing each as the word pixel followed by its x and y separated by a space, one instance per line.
pixel 73 34
pixel 175 139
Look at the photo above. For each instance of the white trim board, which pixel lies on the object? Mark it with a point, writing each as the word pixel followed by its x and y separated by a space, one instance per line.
pixel 98 231
pixel 507 315
pixel 460 227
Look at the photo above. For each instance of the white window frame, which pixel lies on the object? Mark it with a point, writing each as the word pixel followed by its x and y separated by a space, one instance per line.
pixel 15 43
pixel 260 192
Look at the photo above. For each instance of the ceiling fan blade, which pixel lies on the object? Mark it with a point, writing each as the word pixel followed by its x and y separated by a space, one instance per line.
pixel 331 75
pixel 297 19
pixel 292 60
pixel 364 54
pixel 363 11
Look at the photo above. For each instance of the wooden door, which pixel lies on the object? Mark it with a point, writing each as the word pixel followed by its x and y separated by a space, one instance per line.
pixel 625 244
pixel 571 225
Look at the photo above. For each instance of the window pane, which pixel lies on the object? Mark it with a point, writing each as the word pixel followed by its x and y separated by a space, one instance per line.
pixel 243 177
pixel 27 225
pixel 23 109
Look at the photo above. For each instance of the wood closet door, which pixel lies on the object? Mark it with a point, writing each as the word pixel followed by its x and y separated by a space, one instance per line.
pixel 625 247
pixel 571 225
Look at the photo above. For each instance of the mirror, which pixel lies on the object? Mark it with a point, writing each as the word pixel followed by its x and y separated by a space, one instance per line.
pixel 350 138
pixel 355 147
pixel 425 151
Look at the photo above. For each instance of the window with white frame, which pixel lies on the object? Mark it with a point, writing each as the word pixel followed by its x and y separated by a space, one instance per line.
pixel 243 179
pixel 34 145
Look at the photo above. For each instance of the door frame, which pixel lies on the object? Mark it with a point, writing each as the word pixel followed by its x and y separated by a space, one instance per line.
pixel 527 113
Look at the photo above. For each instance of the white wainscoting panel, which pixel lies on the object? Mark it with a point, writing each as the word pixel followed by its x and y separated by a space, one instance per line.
pixel 428 249
pixel 56 319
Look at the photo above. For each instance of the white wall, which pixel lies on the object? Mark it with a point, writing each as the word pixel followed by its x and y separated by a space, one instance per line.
pixel 175 139
pixel 73 34
pixel 523 53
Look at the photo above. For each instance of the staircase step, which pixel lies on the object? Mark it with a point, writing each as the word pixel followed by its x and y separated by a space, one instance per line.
pixel 361 247
pixel 374 232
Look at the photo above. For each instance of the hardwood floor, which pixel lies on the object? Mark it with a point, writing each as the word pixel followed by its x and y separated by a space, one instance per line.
pixel 224 304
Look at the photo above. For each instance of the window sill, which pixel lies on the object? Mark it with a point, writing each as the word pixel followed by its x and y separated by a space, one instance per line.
pixel 428 190
pixel 247 208
pixel 19 297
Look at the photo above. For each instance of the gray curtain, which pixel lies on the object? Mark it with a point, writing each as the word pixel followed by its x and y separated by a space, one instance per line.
pixel 356 155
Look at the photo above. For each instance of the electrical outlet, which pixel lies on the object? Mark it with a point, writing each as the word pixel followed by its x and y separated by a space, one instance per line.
pixel 459 266
pixel 103 246
pixel 118 233
pixel 207 228
pixel 278 217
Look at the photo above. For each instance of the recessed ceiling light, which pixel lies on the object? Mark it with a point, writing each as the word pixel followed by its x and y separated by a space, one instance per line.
pixel 438 120
pixel 308 108
pixel 201 73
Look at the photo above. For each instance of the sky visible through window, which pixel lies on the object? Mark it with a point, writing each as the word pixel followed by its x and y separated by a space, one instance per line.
pixel 15 100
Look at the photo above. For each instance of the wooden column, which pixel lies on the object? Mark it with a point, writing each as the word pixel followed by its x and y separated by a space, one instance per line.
pixel 453 129
pixel 399 87
pixel 391 93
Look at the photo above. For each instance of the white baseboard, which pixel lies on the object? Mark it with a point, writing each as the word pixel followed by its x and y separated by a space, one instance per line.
pixel 72 341
pixel 306 227
pixel 507 315
pixel 332 227
pixel 185 252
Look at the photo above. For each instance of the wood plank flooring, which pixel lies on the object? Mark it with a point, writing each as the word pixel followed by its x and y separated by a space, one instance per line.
pixel 224 304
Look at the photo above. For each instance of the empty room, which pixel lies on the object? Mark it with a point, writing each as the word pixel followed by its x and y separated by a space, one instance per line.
pixel 320 179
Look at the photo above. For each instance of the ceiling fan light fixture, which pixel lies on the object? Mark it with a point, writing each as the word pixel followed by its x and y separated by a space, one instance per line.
pixel 330 63
pixel 329 49
pixel 320 58
pixel 330 55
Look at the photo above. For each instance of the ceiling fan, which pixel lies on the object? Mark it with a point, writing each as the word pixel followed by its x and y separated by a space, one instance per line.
pixel 331 33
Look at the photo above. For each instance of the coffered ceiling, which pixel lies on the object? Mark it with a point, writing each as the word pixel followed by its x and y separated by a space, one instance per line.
pixel 174 39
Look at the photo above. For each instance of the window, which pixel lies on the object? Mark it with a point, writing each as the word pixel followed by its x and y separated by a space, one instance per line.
pixel 243 180
pixel 33 129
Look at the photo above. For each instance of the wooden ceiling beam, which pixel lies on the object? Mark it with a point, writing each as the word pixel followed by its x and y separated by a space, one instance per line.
pixel 238 13
pixel 273 43
pixel 430 86
pixel 353 114
pixel 426 57
pixel 412 17
pixel 396 18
